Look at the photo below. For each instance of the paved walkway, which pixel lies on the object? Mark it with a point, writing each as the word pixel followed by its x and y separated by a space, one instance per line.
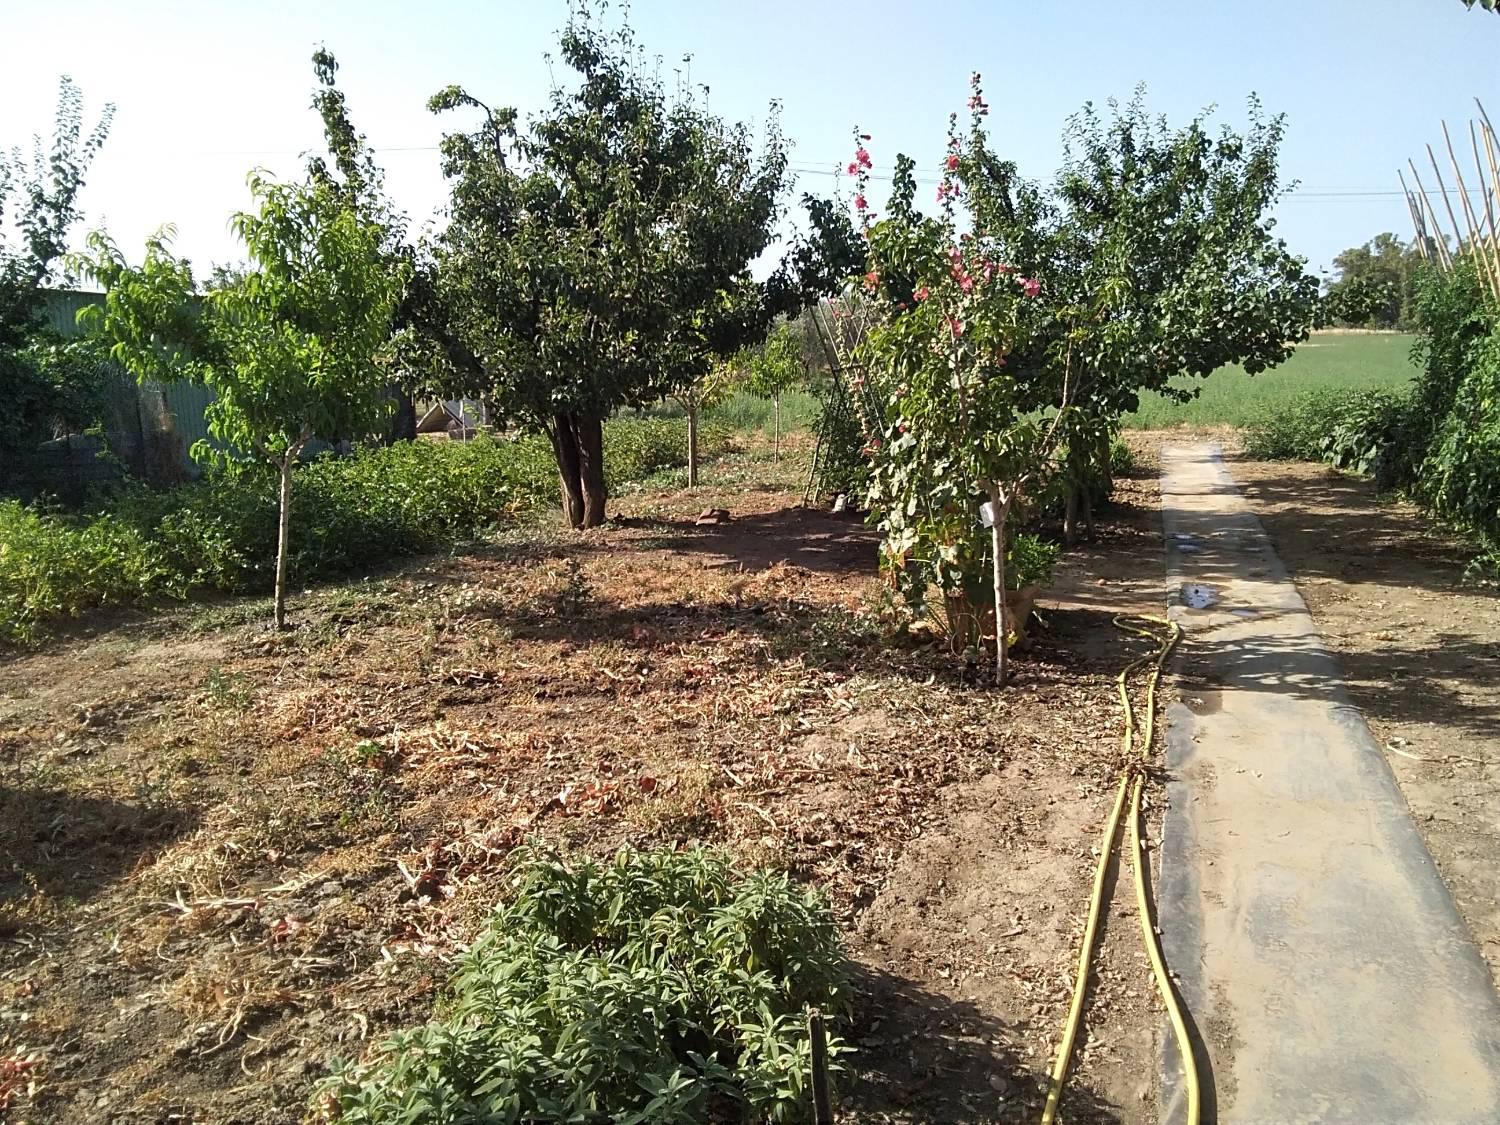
pixel 1328 973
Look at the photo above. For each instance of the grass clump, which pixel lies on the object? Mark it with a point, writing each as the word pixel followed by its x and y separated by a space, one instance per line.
pixel 662 986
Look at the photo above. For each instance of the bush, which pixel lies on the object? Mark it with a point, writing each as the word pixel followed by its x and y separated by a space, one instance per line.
pixel 660 987
pixel 220 532
pixel 1295 432
pixel 1122 460
pixel 51 567
pixel 1029 561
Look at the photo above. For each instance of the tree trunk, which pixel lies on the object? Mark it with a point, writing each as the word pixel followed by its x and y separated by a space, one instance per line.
pixel 404 419
pixel 692 465
pixel 284 534
pixel 776 413
pixel 1088 513
pixel 997 545
pixel 591 468
pixel 1070 511
pixel 565 451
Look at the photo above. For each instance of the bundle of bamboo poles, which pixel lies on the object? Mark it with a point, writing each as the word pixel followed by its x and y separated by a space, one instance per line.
pixel 1477 235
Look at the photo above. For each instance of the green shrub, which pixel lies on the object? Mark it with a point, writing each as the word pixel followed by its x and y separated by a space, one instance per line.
pixel 661 987
pixel 1295 432
pixel 1029 560
pixel 52 567
pixel 1369 433
pixel 1122 460
pixel 635 449
pixel 220 532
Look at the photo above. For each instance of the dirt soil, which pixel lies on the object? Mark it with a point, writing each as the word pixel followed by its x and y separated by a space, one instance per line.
pixel 227 855
pixel 1420 647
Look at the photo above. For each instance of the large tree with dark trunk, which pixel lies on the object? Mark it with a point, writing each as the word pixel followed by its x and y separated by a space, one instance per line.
pixel 596 253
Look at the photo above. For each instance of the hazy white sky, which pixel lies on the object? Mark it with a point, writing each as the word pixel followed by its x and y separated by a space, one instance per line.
pixel 207 90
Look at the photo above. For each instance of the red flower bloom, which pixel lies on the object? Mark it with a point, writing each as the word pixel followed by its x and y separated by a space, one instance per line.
pixel 956 325
pixel 922 294
pixel 853 168
pixel 862 156
pixel 1030 286
pixel 872 279
pixel 859 202
pixel 952 162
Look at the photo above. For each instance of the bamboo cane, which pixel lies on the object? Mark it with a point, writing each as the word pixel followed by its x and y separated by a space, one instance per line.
pixel 1445 260
pixel 1416 218
pixel 1476 242
pixel 1491 147
pixel 1485 196
pixel 1458 234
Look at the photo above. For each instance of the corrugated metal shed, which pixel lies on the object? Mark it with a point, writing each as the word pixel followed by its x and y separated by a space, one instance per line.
pixel 185 403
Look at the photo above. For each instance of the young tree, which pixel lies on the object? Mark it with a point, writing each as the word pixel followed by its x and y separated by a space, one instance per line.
pixel 290 346
pixel 44 385
pixel 359 181
pixel 1164 263
pixel 599 257
pixel 775 367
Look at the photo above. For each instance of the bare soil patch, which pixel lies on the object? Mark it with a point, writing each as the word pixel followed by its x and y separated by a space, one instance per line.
pixel 1420 649
pixel 227 856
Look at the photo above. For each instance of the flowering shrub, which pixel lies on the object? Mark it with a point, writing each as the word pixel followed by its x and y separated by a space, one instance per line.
pixel 965 423
pixel 1019 324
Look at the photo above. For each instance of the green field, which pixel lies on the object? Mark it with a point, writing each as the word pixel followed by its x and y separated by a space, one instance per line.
pixel 1330 360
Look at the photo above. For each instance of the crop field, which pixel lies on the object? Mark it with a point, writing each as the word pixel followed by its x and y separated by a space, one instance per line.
pixel 1334 361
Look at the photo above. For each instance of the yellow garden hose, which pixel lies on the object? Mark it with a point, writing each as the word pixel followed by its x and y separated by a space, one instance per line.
pixel 1132 782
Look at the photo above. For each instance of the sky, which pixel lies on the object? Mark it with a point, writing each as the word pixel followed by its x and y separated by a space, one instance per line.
pixel 206 91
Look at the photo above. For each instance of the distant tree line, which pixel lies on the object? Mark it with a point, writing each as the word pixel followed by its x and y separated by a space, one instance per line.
pixel 1375 285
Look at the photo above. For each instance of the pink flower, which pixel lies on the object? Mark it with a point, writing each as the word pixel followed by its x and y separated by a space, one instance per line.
pixel 859 202
pixel 966 283
pixel 955 255
pixel 863 156
pixel 853 168
pixel 956 326
pixel 872 279
pixel 922 293
pixel 952 162
pixel 1030 286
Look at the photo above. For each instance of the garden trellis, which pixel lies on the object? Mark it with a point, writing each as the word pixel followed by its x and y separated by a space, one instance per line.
pixel 852 395
pixel 1476 235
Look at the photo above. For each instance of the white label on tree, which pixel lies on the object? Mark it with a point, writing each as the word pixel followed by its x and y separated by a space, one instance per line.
pixel 987 514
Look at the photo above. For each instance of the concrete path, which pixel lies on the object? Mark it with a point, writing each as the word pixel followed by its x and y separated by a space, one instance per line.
pixel 1328 973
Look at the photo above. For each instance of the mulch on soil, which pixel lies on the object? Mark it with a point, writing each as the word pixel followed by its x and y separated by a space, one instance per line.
pixel 232 855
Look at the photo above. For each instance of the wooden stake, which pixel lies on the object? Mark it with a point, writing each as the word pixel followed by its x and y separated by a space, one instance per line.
pixel 1476 241
pixel 1490 148
pixel 1441 240
pixel 818 1037
pixel 1416 218
pixel 1484 188
pixel 1458 234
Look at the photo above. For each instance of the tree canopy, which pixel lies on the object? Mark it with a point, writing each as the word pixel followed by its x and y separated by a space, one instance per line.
pixel 290 346
pixel 598 256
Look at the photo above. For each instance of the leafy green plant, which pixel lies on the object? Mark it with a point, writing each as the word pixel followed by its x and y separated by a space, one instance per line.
pixel 661 986
pixel 51 567
pixel 289 347
pixel 220 532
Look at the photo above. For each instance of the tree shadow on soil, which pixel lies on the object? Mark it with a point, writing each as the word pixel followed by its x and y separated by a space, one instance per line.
pixel 1398 682
pixel 66 846
pixel 924 1057
pixel 806 537
pixel 1340 528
